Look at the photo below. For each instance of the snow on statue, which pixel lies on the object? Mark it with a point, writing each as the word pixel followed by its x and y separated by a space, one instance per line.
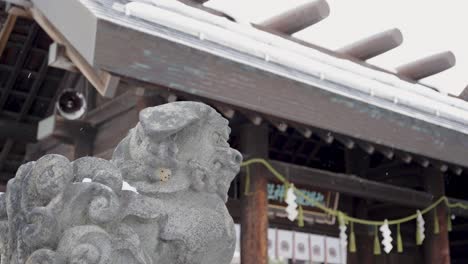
pixel 161 199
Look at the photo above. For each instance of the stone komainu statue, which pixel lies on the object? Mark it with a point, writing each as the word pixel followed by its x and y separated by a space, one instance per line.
pixel 160 200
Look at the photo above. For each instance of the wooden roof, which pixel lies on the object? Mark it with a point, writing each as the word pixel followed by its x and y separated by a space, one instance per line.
pixel 147 53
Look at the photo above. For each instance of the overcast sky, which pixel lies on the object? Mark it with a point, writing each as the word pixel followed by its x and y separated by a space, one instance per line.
pixel 428 26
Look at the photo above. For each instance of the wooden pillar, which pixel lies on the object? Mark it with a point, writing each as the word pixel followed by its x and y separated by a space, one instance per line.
pixel 357 163
pixel 147 98
pixel 83 140
pixel 83 148
pixel 436 247
pixel 254 209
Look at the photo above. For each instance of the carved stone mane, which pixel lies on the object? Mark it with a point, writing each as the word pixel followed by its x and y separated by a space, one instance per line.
pixel 161 199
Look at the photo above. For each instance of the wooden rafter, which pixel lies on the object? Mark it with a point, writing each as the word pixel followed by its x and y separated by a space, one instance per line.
pixel 298 18
pixel 427 66
pixel 374 45
pixel 6 31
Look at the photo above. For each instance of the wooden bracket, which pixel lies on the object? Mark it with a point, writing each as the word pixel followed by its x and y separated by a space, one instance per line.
pixel 306 132
pixel 225 111
pixel 368 148
pixel 280 125
pixel 105 83
pixel 58 58
pixel 348 143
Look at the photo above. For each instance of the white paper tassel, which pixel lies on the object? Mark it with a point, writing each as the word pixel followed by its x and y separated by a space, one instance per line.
pixel 420 228
pixel 343 236
pixel 342 227
pixel 387 238
pixel 292 205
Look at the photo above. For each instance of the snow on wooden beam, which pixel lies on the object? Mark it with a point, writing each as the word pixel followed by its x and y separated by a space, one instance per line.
pixel 280 125
pixel 225 111
pixel 423 162
pixel 428 66
pixel 307 133
pixel 348 143
pixel 253 118
pixel 368 148
pixel 388 153
pixel 443 168
pixel 169 97
pixel 457 170
pixel 298 18
pixel 405 157
pixel 374 45
pixel 327 137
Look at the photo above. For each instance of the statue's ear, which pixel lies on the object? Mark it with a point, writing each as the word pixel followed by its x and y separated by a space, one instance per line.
pixel 162 121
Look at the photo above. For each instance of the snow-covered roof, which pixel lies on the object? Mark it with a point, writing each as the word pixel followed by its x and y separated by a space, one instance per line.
pixel 241 43
pixel 241 36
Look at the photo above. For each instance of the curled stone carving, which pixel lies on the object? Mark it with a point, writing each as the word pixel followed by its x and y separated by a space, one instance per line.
pixel 161 199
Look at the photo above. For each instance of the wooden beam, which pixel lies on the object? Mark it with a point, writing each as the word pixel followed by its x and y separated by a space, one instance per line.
pixel 78 133
pixel 437 247
pixel 427 66
pixel 105 83
pixel 388 153
pixel 374 45
pixel 348 143
pixel 368 148
pixel 457 170
pixel 405 157
pixel 298 18
pixel 6 31
pixel 253 117
pixel 353 185
pixel 254 217
pixel 327 137
pixel 225 111
pixel 169 97
pixel 111 109
pixel 422 161
pixel 19 12
pixel 457 211
pixel 280 125
pixel 67 130
pixel 18 131
pixel 306 132
pixel 6 148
